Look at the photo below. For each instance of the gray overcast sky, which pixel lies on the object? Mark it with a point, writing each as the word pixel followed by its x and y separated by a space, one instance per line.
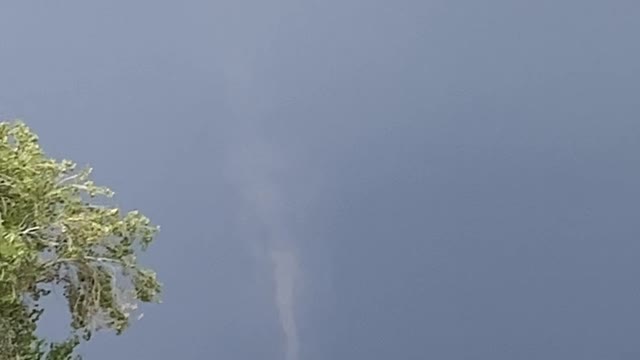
pixel 355 179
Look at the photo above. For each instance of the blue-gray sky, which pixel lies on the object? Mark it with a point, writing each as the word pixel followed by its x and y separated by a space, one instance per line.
pixel 356 179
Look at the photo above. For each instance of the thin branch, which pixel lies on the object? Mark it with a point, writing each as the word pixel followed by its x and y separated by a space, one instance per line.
pixel 69 178
pixel 27 231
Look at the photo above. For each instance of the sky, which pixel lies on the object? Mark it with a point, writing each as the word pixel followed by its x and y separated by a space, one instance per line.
pixel 355 179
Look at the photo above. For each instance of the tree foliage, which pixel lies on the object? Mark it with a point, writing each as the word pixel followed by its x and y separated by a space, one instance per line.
pixel 57 236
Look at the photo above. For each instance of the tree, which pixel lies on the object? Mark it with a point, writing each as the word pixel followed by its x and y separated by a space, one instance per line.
pixel 56 236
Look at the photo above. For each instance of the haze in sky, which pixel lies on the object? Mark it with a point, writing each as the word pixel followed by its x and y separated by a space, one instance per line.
pixel 357 179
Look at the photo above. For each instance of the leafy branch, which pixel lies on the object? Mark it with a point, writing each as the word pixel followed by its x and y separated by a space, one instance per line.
pixel 55 234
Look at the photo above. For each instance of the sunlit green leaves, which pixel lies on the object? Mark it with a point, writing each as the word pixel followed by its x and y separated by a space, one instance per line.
pixel 55 233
